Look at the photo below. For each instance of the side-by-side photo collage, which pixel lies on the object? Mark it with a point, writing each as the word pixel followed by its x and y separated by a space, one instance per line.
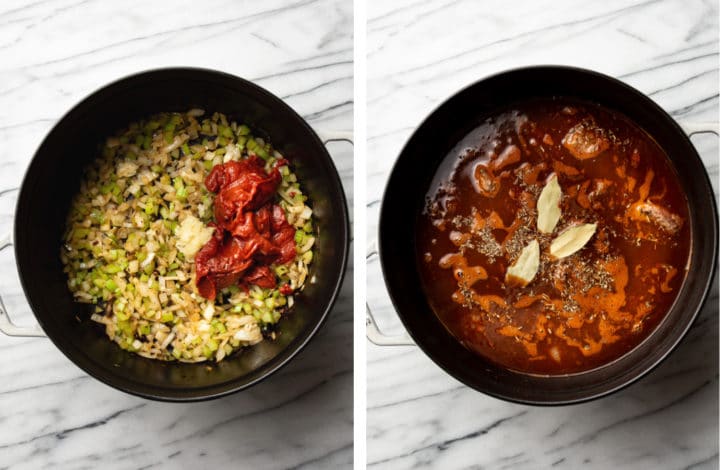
pixel 359 234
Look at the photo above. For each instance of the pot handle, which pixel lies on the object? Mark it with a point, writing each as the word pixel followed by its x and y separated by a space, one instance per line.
pixel 6 325
pixel 373 333
pixel 691 128
pixel 327 135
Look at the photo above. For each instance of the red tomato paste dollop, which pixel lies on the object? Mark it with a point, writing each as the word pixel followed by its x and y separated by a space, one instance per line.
pixel 251 233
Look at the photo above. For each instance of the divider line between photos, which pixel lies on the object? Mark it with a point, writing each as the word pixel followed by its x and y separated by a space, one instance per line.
pixel 359 229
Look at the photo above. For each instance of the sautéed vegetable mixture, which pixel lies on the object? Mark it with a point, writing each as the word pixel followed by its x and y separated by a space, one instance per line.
pixel 190 236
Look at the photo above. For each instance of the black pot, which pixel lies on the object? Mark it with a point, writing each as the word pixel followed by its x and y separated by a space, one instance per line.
pixel 404 198
pixel 53 177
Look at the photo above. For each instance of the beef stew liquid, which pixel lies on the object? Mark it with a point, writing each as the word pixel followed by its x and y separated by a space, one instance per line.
pixel 554 237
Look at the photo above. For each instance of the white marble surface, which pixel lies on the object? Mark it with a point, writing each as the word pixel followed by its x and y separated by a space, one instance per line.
pixel 52 54
pixel 421 52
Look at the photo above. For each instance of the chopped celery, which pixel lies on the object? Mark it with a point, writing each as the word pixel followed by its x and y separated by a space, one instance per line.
pixel 112 269
pixel 79 233
pixel 97 217
pixel 225 132
pixel 257 293
pixel 149 268
pixel 170 225
pixel 126 328
pixel 151 207
pixel 299 237
pixel 167 317
pixel 262 153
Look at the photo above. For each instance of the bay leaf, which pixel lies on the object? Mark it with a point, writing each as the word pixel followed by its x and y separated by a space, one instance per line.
pixel 548 205
pixel 572 240
pixel 525 267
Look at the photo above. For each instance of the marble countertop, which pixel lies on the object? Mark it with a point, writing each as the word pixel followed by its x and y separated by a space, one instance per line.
pixel 52 54
pixel 420 53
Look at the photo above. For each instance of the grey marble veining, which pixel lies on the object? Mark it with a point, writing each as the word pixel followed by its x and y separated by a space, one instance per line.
pixel 420 53
pixel 52 54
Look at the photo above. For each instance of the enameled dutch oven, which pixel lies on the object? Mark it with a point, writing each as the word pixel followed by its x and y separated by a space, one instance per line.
pixel 404 198
pixel 53 177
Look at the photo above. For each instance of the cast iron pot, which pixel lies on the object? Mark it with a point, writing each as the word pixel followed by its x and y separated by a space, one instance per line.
pixel 404 197
pixel 53 177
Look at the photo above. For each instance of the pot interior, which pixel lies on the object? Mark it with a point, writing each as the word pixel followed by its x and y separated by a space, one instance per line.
pixel 412 175
pixel 54 177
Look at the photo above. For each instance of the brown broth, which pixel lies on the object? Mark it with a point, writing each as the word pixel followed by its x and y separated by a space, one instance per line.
pixel 578 312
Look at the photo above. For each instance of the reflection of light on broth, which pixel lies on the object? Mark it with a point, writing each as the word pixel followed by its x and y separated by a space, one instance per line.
pixel 606 292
